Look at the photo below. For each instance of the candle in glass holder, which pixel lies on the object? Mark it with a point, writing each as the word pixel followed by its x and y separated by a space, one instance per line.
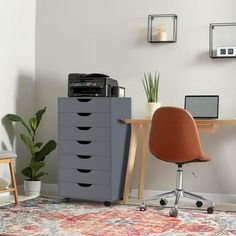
pixel 161 33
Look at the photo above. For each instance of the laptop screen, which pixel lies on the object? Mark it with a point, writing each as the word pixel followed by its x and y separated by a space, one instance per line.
pixel 202 106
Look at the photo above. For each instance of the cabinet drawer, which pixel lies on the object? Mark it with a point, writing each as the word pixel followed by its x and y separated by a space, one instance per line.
pixel 87 176
pixel 84 148
pixel 84 119
pixel 78 190
pixel 85 162
pixel 84 105
pixel 84 133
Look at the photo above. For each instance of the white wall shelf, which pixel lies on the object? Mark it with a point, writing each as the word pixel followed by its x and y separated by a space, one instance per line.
pixel 222 40
pixel 162 28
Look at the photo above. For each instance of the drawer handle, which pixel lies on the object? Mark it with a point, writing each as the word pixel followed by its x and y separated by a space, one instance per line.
pixel 84 142
pixel 84 170
pixel 83 113
pixel 84 156
pixel 84 100
pixel 84 185
pixel 83 128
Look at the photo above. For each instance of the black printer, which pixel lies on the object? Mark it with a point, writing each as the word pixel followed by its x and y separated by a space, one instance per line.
pixel 93 85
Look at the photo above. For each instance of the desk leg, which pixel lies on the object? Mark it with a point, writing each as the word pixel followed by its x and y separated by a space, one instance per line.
pixel 144 138
pixel 131 159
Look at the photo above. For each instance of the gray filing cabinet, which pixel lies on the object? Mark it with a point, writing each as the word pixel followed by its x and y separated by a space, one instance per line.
pixel 93 147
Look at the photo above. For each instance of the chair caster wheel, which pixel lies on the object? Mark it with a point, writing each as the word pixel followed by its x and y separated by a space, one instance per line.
pixel 173 212
pixel 107 203
pixel 210 210
pixel 199 203
pixel 142 207
pixel 67 200
pixel 163 202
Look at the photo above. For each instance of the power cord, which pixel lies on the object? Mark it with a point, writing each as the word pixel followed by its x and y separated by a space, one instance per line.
pixel 191 171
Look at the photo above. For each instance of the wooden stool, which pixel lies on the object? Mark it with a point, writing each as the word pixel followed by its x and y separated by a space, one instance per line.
pixel 6 157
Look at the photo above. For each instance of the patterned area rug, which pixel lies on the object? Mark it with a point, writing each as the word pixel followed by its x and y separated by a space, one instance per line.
pixel 53 217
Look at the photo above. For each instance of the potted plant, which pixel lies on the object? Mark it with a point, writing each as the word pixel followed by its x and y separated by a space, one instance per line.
pixel 151 87
pixel 37 152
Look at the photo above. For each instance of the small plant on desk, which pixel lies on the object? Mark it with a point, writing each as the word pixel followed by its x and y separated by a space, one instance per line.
pixel 151 87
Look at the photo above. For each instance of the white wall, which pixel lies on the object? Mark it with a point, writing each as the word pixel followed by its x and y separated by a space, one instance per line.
pixel 109 36
pixel 17 71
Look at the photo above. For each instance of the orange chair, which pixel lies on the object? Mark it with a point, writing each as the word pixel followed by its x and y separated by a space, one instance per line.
pixel 174 138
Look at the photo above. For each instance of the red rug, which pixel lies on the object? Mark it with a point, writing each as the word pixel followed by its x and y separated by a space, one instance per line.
pixel 53 217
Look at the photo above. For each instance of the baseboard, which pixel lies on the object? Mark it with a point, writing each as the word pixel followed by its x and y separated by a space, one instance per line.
pixel 215 197
pixel 45 188
pixel 20 189
pixel 50 188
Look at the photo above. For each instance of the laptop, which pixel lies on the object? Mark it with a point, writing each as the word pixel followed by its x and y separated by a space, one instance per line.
pixel 202 106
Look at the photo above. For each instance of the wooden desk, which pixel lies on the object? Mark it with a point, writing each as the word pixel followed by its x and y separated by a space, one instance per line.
pixel 142 125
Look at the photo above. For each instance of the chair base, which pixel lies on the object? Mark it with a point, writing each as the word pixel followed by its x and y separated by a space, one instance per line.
pixel 179 193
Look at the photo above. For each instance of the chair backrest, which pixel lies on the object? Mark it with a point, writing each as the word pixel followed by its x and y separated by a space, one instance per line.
pixel 174 136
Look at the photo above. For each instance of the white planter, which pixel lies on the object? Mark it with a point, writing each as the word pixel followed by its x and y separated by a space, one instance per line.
pixel 152 107
pixel 32 188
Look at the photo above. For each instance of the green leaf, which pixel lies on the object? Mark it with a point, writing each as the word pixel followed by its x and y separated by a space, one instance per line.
pixel 27 172
pixel 151 86
pixel 40 175
pixel 146 87
pixel 28 142
pixel 38 145
pixel 33 124
pixel 39 115
pixel 46 149
pixel 35 167
pixel 15 118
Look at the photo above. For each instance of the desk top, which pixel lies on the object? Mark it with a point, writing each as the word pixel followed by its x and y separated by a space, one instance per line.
pixel 218 122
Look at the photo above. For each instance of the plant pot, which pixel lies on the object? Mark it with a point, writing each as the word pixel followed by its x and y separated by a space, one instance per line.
pixel 152 107
pixel 32 188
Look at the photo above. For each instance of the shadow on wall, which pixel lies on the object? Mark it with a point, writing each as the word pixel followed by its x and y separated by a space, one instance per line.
pixel 50 86
pixel 221 148
pixel 24 108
